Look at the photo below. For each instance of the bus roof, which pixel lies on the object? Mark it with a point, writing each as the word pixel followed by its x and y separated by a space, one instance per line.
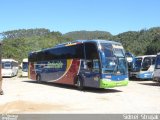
pixel 85 41
pixel 25 60
pixel 146 56
pixel 80 41
pixel 99 40
pixel 9 60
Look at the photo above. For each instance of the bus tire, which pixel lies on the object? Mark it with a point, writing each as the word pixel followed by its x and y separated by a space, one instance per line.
pixel 1 92
pixel 12 75
pixel 38 78
pixel 79 83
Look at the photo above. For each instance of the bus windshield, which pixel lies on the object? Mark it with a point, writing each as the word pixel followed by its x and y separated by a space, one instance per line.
pixel 25 67
pixel 6 65
pixel 147 62
pixel 113 59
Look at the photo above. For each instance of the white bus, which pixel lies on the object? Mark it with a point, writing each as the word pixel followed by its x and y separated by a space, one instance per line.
pixel 143 67
pixel 25 67
pixel 156 76
pixel 9 68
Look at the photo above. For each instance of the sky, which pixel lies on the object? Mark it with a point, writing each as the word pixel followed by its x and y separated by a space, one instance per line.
pixel 114 16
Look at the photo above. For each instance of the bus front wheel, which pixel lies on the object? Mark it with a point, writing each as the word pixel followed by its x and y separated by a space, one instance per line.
pixel 79 83
pixel 1 92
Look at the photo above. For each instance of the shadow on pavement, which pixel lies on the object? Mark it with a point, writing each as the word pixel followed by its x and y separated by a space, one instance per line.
pixel 151 84
pixel 139 80
pixel 86 89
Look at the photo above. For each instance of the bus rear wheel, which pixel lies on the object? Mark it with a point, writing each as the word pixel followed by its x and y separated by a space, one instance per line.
pixel 79 83
pixel 38 79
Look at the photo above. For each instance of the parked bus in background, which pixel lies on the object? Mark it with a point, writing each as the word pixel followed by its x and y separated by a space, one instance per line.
pixel 25 67
pixel 9 68
pixel 1 91
pixel 143 67
pixel 130 60
pixel 156 75
pixel 83 63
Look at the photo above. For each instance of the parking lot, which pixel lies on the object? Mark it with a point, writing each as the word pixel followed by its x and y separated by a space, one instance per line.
pixel 22 95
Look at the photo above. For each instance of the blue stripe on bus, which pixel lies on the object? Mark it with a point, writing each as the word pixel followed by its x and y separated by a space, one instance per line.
pixel 145 75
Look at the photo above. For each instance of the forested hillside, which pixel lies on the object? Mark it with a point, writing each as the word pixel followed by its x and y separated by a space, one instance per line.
pixel 18 43
pixel 138 42
pixel 81 35
pixel 142 42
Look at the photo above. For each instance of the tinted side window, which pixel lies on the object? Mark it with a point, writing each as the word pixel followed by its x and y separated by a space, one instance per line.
pixel 91 51
pixel 79 51
pixel 32 57
pixel 40 56
pixel 67 52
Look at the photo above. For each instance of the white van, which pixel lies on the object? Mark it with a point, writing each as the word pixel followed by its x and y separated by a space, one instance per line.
pixel 9 68
pixel 144 67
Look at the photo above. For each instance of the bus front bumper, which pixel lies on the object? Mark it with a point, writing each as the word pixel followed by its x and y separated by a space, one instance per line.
pixel 105 83
pixel 147 75
pixel 7 74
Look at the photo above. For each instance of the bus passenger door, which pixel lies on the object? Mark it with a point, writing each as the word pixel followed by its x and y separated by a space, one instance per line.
pixel 91 72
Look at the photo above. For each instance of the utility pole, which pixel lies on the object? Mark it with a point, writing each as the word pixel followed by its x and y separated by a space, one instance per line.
pixel 1 91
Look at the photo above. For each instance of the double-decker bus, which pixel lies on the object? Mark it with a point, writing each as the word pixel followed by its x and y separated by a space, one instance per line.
pixel 25 67
pixel 143 67
pixel 1 91
pixel 83 63
pixel 9 67
pixel 156 75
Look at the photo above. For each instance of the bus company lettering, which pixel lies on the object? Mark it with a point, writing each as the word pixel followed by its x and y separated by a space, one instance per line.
pixel 57 65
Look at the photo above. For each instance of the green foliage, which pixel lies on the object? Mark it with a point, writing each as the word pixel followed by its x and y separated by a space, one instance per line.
pixel 18 43
pixel 88 35
pixel 143 42
pixel 154 46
